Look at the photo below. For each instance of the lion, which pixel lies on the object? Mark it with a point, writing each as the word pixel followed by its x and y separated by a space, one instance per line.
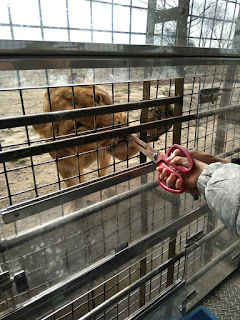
pixel 61 98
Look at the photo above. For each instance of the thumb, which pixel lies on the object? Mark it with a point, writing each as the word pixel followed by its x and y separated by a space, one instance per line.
pixel 175 153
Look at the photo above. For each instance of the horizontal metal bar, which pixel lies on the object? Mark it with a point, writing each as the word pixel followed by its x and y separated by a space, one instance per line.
pixel 204 239
pixel 26 62
pixel 36 205
pixel 26 120
pixel 158 301
pixel 118 296
pixel 14 154
pixel 63 221
pixel 210 276
pixel 167 15
pixel 35 55
pixel 219 258
pixel 47 49
pixel 59 293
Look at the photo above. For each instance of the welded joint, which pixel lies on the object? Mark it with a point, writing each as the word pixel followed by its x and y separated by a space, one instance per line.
pixel 193 240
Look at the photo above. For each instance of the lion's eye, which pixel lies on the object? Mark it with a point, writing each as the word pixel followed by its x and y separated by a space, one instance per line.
pixel 79 124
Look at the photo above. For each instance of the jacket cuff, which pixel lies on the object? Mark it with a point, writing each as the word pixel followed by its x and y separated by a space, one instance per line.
pixel 206 175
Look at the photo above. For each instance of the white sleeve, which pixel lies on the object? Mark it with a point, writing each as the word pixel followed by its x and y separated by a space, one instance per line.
pixel 219 183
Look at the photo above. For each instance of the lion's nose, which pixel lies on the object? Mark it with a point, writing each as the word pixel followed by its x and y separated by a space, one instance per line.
pixel 117 123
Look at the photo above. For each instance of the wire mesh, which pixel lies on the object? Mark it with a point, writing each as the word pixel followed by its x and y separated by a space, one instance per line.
pixel 209 23
pixel 89 240
pixel 66 237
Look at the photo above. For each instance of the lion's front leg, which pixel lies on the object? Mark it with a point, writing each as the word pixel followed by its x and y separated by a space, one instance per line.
pixel 104 158
pixel 70 171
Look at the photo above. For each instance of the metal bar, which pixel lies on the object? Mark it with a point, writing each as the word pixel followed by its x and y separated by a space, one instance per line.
pixel 157 301
pixel 45 202
pixel 26 120
pixel 225 99
pixel 166 15
pixel 53 49
pixel 178 108
pixel 142 281
pixel 182 18
pixel 221 256
pixel 151 21
pixel 27 62
pixel 60 292
pixel 108 134
pixel 144 224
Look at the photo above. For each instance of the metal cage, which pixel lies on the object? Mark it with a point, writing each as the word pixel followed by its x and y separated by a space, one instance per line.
pixel 104 241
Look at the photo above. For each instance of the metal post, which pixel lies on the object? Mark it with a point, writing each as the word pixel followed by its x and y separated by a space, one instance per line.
pixel 226 94
pixel 144 220
pixel 179 90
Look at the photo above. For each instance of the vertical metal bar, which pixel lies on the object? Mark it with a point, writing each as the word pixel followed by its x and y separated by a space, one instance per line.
pixel 143 271
pixel 189 111
pixel 213 24
pixel 182 23
pixel 178 108
pixel 143 136
pixel 190 20
pixel 10 21
pixel 75 128
pixel 91 17
pixel 130 23
pixel 221 34
pixel 112 17
pixel 40 16
pixel 202 21
pixel 68 26
pixel 28 141
pixel 225 98
pixel 144 220
pixel 113 149
pixel 6 179
pixel 151 21
pixel 53 133
pixel 179 91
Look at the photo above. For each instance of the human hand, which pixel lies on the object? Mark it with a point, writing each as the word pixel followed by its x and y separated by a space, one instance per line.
pixel 191 178
pixel 201 156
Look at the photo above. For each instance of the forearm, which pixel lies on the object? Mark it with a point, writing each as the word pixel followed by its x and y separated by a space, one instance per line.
pixel 219 183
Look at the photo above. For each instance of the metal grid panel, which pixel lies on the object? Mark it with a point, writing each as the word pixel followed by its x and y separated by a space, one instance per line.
pixel 103 231
pixel 201 136
pixel 209 23
pixel 127 243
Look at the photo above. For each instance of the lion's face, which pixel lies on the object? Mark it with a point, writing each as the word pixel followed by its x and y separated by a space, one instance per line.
pixel 67 98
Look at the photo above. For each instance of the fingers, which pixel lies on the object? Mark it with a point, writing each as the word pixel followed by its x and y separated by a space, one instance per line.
pixel 169 179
